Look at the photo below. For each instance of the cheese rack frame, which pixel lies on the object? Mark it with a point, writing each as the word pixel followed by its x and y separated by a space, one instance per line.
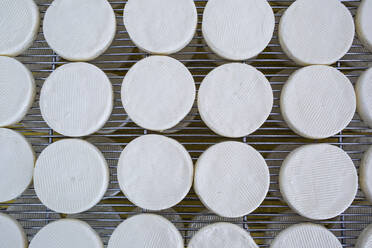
pixel 273 140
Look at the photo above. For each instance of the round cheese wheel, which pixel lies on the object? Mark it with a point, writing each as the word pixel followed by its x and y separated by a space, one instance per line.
pixel 316 32
pixel 238 29
pixel 71 176
pixel 162 26
pixel 318 181
pixel 363 89
pixel 221 235
pixel 79 30
pixel 226 179
pixel 66 233
pixel 234 100
pixel 365 238
pixel 318 101
pixel 158 92
pixel 17 90
pixel 363 22
pixel 366 174
pixel 17 160
pixel 155 172
pixel 146 230
pixel 11 233
pixel 76 99
pixel 20 22
pixel 306 235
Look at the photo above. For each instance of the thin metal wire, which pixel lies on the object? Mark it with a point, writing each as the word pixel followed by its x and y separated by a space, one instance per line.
pixel 274 139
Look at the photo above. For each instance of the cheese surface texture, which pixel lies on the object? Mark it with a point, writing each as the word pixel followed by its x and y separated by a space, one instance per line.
pixel 11 233
pixel 155 172
pixel 238 29
pixel 158 92
pixel 306 235
pixel 162 26
pixel 17 161
pixel 64 233
pixel 146 230
pixel 17 91
pixel 19 24
pixel 363 89
pixel 79 30
pixel 235 99
pixel 317 101
pixel 363 22
pixel 76 99
pixel 316 32
pixel 318 181
pixel 71 176
pixel 231 179
pixel 222 235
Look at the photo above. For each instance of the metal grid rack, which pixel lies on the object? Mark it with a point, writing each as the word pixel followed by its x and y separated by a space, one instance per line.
pixel 273 140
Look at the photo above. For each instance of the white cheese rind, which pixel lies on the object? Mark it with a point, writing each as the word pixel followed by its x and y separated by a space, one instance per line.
pixel 76 99
pixel 17 91
pixel 318 181
pixel 12 233
pixel 20 22
pixel 365 238
pixel 160 27
pixel 221 235
pixel 146 230
pixel 363 22
pixel 316 32
pixel 366 174
pixel 238 29
pixel 318 101
pixel 79 30
pixel 71 176
pixel 226 179
pixel 70 233
pixel 363 89
pixel 235 99
pixel 17 161
pixel 158 92
pixel 155 172
pixel 306 235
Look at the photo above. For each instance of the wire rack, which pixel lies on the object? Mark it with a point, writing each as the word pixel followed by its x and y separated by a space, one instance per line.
pixel 273 140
